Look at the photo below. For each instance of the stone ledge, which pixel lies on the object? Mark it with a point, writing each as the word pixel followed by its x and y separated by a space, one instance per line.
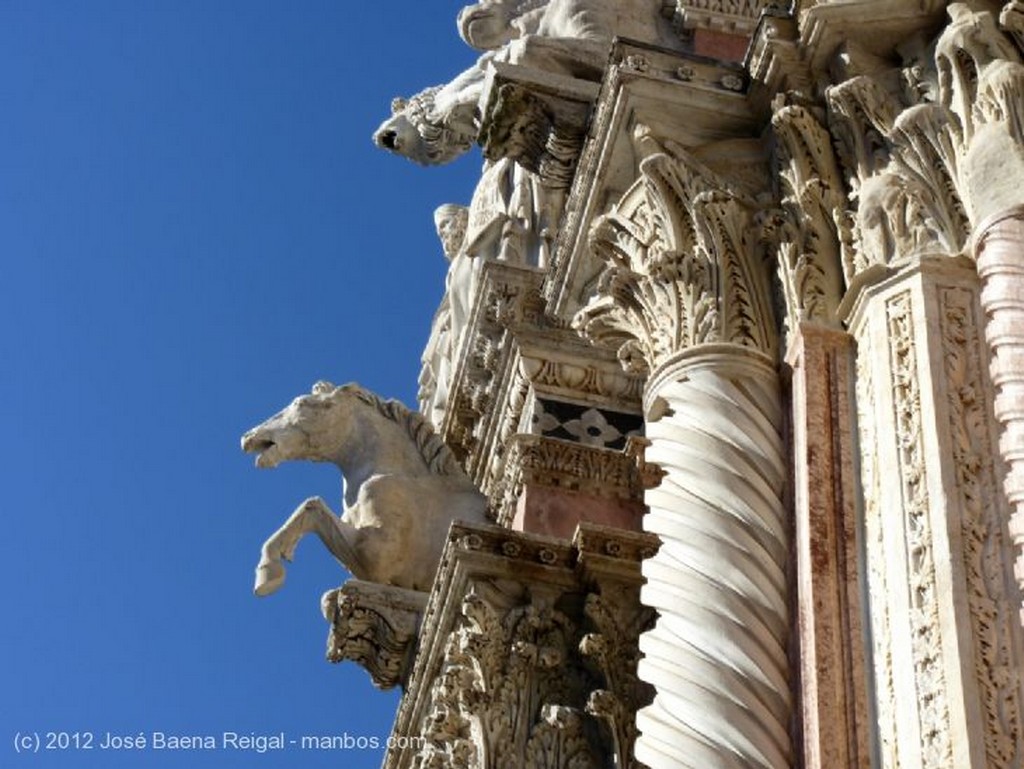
pixel 374 626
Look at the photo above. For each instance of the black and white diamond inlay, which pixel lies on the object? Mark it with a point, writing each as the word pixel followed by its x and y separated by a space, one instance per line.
pixel 587 425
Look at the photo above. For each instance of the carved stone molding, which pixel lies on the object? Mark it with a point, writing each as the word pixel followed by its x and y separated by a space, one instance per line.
pixel 947 653
pixel 739 16
pixel 565 372
pixel 375 626
pixel 680 268
pixel 549 462
pixel 528 654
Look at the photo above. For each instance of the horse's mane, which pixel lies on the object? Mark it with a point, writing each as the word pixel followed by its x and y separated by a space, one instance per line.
pixel 436 454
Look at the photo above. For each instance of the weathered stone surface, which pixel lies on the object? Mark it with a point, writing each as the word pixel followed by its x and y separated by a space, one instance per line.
pixel 534 664
pixel 374 626
pixel 706 222
pixel 946 640
pixel 832 702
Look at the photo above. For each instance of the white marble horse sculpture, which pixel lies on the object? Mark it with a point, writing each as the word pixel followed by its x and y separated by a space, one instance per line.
pixel 402 486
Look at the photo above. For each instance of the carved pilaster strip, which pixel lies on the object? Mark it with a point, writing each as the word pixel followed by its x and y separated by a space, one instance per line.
pixel 877 572
pixel 982 530
pixel 926 635
pixel 717 655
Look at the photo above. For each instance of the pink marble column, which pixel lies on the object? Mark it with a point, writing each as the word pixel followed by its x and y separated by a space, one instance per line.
pixel 832 703
pixel 999 251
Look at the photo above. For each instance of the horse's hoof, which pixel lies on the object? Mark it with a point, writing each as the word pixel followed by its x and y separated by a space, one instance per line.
pixel 269 577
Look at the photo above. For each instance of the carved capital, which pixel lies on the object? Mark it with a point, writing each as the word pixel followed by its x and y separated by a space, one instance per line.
pixel 528 645
pixel 681 268
pixel 812 233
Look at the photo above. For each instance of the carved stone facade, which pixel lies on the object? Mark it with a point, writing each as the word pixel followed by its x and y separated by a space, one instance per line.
pixel 732 352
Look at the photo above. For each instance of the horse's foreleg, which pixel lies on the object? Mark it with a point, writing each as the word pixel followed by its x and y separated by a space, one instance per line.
pixel 313 515
pixel 331 531
pixel 281 545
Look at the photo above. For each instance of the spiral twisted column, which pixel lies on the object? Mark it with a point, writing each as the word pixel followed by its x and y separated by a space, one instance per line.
pixel 684 296
pixel 717 655
pixel 1000 258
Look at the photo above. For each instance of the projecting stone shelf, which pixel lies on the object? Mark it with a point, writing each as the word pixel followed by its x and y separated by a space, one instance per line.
pixel 374 626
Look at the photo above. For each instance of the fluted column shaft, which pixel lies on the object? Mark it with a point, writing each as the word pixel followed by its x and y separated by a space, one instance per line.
pixel 717 655
pixel 1000 258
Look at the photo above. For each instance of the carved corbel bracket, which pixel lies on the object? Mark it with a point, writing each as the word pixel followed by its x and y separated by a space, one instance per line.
pixel 374 626
pixel 536 118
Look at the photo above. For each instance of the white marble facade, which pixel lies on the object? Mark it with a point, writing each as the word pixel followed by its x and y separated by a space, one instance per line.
pixel 740 295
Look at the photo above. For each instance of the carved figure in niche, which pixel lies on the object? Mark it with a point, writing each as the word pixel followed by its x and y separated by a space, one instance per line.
pixel 402 486
pixel 450 220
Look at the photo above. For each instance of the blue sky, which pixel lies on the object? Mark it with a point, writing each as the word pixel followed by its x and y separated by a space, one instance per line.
pixel 195 227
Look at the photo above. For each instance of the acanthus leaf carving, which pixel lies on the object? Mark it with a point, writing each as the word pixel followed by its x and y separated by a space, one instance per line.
pixel 681 267
pixel 609 647
pixel 813 232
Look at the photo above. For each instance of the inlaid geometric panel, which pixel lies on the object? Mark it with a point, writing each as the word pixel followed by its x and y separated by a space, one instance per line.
pixel 583 424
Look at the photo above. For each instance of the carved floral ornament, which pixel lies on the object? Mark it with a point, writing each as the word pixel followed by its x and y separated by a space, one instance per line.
pixel 681 267
pixel 930 150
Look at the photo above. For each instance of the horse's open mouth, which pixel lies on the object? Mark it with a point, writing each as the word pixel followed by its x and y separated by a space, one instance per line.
pixel 263 448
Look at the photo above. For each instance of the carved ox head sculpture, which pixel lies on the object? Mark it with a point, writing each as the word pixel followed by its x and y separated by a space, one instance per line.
pixel 436 125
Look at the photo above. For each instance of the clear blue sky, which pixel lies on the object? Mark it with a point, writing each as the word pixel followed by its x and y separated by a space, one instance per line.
pixel 195 227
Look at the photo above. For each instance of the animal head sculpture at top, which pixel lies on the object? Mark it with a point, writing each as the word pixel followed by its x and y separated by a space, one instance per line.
pixel 436 125
pixel 566 37
pixel 402 490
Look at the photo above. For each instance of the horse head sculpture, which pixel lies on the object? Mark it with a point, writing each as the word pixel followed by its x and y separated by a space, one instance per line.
pixel 403 486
